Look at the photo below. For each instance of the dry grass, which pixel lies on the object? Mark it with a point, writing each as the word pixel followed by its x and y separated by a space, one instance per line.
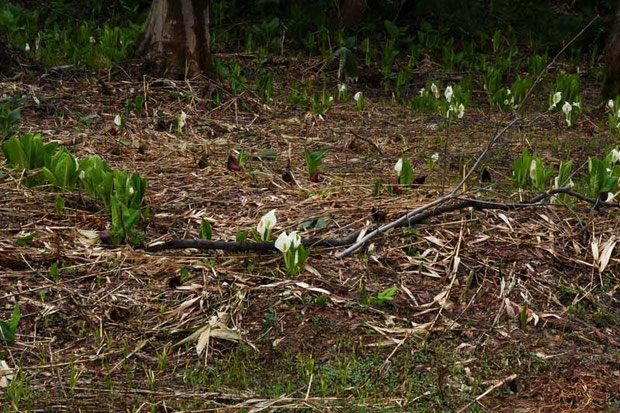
pixel 94 338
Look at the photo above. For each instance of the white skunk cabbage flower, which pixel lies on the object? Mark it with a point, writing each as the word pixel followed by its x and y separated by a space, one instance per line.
pixel 448 93
pixel 435 90
pixel 118 121
pixel 460 111
pixel 399 167
pixel 266 224
pixel 533 169
pixel 557 97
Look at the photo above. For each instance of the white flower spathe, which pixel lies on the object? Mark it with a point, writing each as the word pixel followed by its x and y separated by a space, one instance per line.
pixel 566 108
pixel 131 190
pixel 357 96
pixel 6 374
pixel 610 104
pixel 27 47
pixel 435 157
pixel 435 90
pixel 448 93
pixel 399 167
pixel 118 121
pixel 460 111
pixel 82 175
pixel 266 224
pixel 283 242
pixel 557 97
pixel 615 156
pixel 610 197
pixel 533 170
pixel 577 105
pixel 181 119
pixel 295 239
pixel 422 91
pixel 91 40
pixel 342 88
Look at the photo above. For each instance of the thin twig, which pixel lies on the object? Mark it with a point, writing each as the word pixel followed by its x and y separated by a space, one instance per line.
pixel 367 140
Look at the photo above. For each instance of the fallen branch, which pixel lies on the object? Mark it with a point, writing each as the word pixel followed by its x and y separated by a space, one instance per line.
pixel 352 239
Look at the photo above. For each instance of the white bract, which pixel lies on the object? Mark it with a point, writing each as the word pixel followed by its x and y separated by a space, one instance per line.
pixel 435 157
pixel 91 40
pixel 266 224
pixel 557 97
pixel 398 167
pixel 6 374
pixel 435 90
pixel 533 170
pixel 27 47
pixel 182 118
pixel 342 88
pixel 357 96
pixel 448 93
pixel 610 104
pixel 131 190
pixel 567 109
pixel 615 156
pixel 460 111
pixel 422 91
pixel 118 121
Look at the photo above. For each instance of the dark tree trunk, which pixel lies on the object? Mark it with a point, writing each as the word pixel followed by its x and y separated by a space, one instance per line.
pixel 175 39
pixel 351 12
pixel 612 59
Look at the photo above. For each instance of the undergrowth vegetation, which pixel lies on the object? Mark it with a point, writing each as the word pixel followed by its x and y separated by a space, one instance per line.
pixel 310 132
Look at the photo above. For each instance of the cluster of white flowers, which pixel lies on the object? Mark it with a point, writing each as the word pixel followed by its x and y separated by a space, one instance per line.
pixel 511 101
pixel 611 106
pixel 285 242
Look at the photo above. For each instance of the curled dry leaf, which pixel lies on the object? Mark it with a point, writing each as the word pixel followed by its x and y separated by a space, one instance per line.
pixel 232 164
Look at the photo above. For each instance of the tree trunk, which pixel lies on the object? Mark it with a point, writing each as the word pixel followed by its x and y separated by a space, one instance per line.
pixel 175 39
pixel 612 59
pixel 351 12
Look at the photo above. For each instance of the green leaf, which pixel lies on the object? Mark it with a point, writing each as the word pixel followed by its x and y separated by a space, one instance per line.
pixel 387 295
pixel 54 272
pixel 206 232
pixel 60 204
pixel 26 240
pixel 8 329
pixel 242 236
pixel 347 63
pixel 406 173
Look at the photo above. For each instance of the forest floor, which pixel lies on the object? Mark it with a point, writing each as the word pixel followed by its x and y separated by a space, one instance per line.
pixel 104 333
